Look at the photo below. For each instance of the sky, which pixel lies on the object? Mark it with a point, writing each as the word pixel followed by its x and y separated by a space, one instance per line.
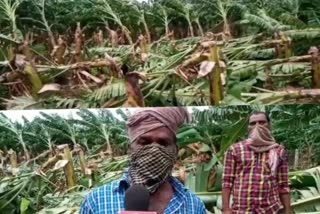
pixel 16 115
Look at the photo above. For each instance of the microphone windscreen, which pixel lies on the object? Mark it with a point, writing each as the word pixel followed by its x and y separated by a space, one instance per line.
pixel 136 198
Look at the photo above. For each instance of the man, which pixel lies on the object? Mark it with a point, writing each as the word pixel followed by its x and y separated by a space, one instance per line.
pixel 152 155
pixel 256 172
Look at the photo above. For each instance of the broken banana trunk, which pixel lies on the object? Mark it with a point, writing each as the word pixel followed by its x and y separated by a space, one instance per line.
pixel 69 169
pixel 59 51
pixel 84 168
pixel 2 163
pixel 32 74
pixel 78 43
pixel 315 66
pixel 13 161
pixel 133 91
pixel 216 89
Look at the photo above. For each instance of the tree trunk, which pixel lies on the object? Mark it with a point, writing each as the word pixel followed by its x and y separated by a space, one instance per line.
pixel 109 146
pixel 78 43
pixel 310 155
pixel 104 131
pixel 216 89
pixel 146 30
pixel 25 150
pixel 127 34
pixel 134 94
pixel 200 28
pixel 315 66
pixel 296 159
pixel 69 169
pixel 44 20
pixel 191 29
pixel 13 162
pixel 285 95
pixel 83 164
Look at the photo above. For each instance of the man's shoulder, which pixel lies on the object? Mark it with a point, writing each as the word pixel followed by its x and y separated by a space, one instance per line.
pixel 281 146
pixel 238 144
pixel 104 190
pixel 193 197
pixel 282 152
pixel 190 198
pixel 195 201
pixel 98 199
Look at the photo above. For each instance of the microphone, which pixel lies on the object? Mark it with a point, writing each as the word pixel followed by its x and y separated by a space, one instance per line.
pixel 136 200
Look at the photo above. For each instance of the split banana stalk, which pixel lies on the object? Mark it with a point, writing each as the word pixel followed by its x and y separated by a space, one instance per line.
pixel 69 169
pixel 13 161
pixel 315 66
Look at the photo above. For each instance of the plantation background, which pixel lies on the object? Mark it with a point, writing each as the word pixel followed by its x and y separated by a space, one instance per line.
pixel 111 53
pixel 50 162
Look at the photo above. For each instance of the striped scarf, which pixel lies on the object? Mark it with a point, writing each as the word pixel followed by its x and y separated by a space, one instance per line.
pixel 151 165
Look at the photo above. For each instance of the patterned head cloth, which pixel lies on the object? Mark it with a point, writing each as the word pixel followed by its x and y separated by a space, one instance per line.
pixel 148 119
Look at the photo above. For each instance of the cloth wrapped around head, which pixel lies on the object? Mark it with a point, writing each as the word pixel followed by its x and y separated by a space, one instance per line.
pixel 148 119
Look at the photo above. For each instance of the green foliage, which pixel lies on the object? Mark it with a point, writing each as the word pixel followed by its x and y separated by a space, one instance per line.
pixel 244 54
pixel 294 126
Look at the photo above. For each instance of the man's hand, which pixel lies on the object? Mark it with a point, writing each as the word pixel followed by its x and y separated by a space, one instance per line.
pixel 286 211
pixel 285 200
pixel 227 211
pixel 225 201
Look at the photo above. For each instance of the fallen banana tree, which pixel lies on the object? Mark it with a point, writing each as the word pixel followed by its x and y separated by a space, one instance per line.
pixel 223 64
pixel 202 178
pixel 280 96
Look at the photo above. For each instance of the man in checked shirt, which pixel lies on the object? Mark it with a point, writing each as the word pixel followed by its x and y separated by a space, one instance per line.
pixel 256 172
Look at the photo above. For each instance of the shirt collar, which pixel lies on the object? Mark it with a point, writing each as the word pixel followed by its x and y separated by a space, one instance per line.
pixel 179 189
pixel 123 183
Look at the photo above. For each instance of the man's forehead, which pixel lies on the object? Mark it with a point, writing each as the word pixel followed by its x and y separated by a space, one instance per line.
pixel 161 132
pixel 258 117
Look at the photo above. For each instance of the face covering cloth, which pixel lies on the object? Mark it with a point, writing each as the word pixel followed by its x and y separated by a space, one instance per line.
pixel 151 165
pixel 261 140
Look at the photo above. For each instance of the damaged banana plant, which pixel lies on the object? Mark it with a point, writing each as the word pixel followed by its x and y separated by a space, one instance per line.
pixel 207 63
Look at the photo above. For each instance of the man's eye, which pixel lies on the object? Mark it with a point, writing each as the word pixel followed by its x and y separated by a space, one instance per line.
pixel 143 142
pixel 163 142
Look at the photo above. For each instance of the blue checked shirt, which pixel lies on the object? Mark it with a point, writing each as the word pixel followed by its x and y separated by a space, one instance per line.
pixel 109 199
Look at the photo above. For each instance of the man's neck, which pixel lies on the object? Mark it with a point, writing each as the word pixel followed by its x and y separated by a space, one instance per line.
pixel 166 186
pixel 161 198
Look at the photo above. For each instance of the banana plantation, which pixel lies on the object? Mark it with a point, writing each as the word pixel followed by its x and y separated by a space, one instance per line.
pixel 50 162
pixel 128 53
